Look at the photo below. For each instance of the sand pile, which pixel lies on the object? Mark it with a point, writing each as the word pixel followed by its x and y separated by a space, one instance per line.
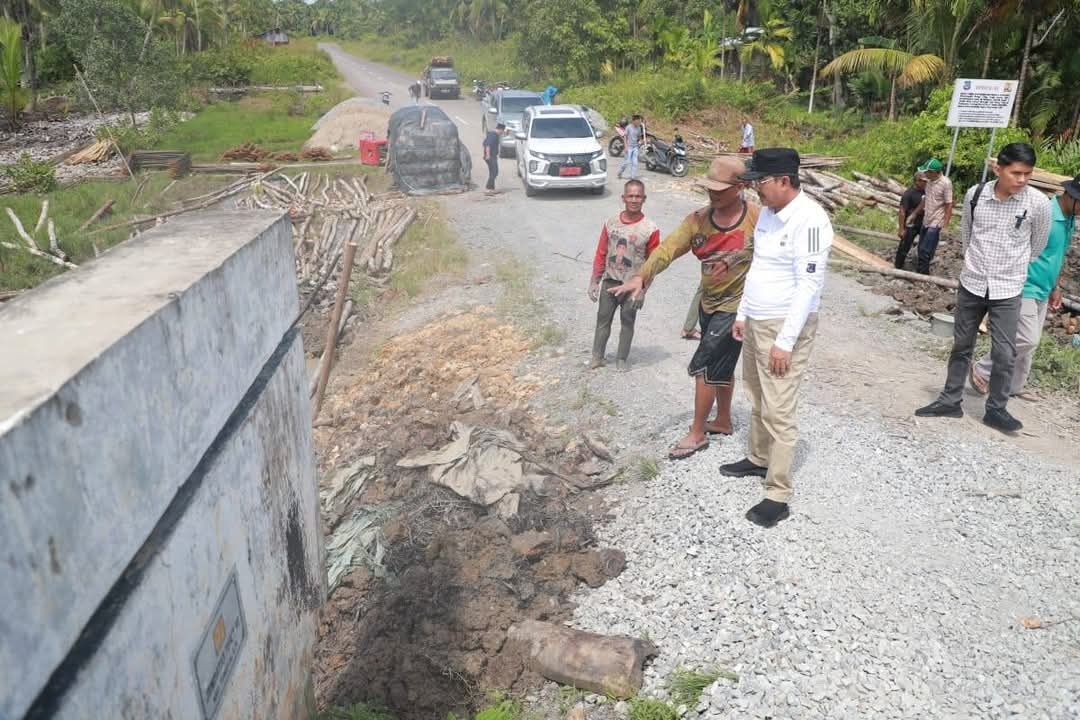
pixel 340 129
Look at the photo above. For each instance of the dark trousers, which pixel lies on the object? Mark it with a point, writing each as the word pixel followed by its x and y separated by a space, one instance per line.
pixel 493 170
pixel 969 312
pixel 606 314
pixel 927 247
pixel 910 233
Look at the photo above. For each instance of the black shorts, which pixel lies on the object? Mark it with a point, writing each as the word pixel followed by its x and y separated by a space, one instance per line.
pixel 718 352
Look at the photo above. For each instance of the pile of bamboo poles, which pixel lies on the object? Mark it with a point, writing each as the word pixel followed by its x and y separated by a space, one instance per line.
pixel 329 212
pixel 835 192
pixel 94 153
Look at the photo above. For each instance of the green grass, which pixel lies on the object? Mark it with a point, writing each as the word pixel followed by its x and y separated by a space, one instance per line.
pixel 649 709
pixel 429 249
pixel 687 685
pixel 648 468
pixel 70 207
pixel 276 121
pixel 1056 367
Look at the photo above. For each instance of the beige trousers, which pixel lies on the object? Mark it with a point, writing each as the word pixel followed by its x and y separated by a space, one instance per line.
pixel 1028 333
pixel 774 401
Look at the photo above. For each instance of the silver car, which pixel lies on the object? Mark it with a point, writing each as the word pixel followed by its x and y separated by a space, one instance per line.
pixel 507 107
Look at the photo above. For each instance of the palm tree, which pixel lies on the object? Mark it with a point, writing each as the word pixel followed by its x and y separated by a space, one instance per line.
pixel 947 20
pixel 11 69
pixel 902 67
pixel 768 42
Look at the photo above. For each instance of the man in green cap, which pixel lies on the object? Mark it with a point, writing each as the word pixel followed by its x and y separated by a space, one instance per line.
pixel 937 212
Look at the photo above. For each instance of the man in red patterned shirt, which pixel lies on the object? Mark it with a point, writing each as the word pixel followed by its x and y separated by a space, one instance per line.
pixel 626 240
pixel 721 237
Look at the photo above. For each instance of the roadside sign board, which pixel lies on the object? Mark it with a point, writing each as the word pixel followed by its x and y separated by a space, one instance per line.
pixel 981 103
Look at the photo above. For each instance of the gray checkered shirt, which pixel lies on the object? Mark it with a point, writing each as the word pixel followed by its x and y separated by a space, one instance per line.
pixel 1001 239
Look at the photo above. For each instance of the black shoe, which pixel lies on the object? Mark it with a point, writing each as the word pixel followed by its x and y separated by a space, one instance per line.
pixel 743 468
pixel 1003 421
pixel 940 409
pixel 767 513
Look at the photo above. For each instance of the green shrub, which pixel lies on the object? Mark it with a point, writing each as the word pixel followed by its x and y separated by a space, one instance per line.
pixel 30 176
pixel 241 65
pixel 140 138
pixel 222 67
pixel 55 64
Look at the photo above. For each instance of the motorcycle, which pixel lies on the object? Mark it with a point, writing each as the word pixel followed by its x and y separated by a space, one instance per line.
pixel 617 144
pixel 386 97
pixel 479 89
pixel 669 157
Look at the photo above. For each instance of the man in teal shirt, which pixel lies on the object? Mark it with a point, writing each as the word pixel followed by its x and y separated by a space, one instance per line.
pixel 1041 292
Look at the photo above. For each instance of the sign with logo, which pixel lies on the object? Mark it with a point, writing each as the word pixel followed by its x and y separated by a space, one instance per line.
pixel 982 103
pixel 219 649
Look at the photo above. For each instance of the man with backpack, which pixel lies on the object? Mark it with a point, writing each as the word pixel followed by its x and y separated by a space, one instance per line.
pixel 1004 224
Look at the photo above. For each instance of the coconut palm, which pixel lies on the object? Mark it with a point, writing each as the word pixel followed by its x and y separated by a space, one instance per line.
pixel 769 42
pixel 903 68
pixel 11 69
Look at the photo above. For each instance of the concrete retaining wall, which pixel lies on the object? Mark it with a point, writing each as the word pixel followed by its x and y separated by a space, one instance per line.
pixel 158 510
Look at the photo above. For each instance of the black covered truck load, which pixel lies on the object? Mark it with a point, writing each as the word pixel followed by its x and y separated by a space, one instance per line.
pixel 426 156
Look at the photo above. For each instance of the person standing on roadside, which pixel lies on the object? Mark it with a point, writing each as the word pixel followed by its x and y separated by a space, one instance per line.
pixel 491 155
pixel 1003 225
pixel 626 241
pixel 1041 292
pixel 746 144
pixel 634 138
pixel 911 218
pixel 721 237
pixel 777 321
pixel 937 210
pixel 414 92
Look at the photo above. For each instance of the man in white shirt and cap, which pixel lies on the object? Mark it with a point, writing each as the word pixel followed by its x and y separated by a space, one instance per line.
pixel 777 321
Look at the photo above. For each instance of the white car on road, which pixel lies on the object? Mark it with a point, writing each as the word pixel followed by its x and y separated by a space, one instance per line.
pixel 558 148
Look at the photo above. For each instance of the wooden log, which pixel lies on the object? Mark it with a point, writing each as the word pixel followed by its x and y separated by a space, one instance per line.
pixel 867 233
pixel 608 665
pixel 852 250
pixel 890 271
pixel 327 360
pixel 42 216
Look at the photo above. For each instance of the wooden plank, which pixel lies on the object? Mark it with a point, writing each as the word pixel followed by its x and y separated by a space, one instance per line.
pixel 854 251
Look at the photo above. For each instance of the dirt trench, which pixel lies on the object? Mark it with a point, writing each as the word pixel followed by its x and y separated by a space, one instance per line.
pixel 429 638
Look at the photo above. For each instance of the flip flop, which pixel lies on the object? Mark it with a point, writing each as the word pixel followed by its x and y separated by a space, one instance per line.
pixel 977 383
pixel 716 432
pixel 1027 396
pixel 681 452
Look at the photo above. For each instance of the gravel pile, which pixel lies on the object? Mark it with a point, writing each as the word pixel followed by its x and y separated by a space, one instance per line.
pixel 896 590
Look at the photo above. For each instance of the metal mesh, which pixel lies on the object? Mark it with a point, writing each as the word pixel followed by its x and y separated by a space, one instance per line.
pixel 426 155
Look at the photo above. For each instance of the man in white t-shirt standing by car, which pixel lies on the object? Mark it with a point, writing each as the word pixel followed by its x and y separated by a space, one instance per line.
pixel 777 321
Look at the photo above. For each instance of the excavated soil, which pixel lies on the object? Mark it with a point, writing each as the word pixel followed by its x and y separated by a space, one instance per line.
pixel 925 299
pixel 430 638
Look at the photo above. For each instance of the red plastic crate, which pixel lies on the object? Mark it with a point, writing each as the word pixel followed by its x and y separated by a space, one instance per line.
pixel 372 151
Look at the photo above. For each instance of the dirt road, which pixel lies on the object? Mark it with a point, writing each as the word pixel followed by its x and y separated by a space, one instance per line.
pixel 890 512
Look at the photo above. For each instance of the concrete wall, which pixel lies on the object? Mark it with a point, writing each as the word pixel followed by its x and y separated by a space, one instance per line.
pixel 155 442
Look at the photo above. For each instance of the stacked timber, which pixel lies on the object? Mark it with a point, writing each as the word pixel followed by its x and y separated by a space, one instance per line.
pixel 177 162
pixel 835 192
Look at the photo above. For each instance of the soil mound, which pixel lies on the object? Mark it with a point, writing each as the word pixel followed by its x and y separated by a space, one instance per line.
pixel 422 630
pixel 340 129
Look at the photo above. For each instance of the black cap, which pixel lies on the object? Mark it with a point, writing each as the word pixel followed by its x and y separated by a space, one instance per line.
pixel 772 161
pixel 1072 187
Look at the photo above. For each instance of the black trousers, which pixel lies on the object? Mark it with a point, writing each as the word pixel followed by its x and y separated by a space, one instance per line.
pixel 910 233
pixel 967 315
pixel 605 314
pixel 493 170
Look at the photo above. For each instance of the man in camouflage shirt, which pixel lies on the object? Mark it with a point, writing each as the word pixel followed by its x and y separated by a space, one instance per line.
pixel 721 238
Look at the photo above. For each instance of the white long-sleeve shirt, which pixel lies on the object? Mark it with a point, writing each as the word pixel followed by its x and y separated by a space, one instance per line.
pixel 791 249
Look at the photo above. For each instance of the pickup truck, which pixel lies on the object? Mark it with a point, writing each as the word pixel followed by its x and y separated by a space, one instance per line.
pixel 440 79
pixel 507 107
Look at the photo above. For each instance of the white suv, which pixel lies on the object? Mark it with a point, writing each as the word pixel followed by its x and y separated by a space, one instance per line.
pixel 558 148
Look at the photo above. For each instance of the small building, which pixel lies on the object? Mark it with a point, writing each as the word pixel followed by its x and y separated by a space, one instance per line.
pixel 277 36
